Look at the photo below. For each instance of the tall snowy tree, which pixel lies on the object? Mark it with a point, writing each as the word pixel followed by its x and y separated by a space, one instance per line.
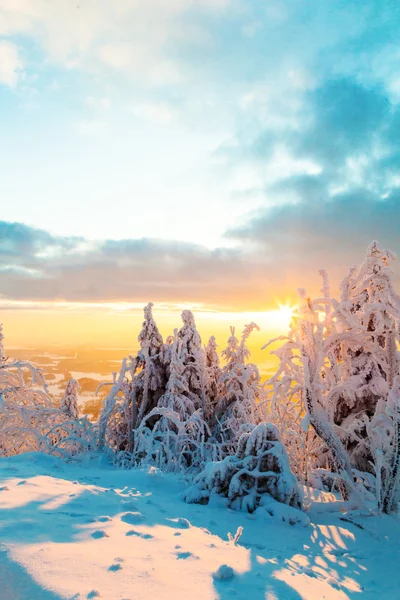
pixel 69 401
pixel 173 434
pixel 137 388
pixel 213 374
pixel 341 361
pixel 192 358
pixel 240 390
pixel 367 321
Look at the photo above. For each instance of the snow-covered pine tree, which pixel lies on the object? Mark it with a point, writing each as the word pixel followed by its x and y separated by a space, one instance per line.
pixel 150 382
pixel 136 389
pixel 192 358
pixel 173 435
pixel 344 355
pixel 240 390
pixel 213 374
pixel 69 401
pixel 177 396
pixel 304 373
pixel 367 360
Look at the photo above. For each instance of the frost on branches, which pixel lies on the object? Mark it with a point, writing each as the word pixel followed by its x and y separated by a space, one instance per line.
pixel 239 392
pixel 258 471
pixel 173 435
pixel 29 421
pixel 154 413
pixel 135 390
pixel 69 402
pixel 213 374
pixel 340 364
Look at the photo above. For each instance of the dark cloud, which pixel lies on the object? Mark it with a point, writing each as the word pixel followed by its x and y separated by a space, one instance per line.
pixel 135 270
pixel 348 193
pixel 304 237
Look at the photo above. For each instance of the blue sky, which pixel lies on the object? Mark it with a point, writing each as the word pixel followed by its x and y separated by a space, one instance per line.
pixel 206 149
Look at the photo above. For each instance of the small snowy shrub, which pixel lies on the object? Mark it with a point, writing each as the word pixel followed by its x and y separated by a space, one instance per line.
pixel 259 468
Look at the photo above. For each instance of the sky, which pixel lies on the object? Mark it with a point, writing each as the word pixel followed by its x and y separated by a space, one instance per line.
pixel 212 154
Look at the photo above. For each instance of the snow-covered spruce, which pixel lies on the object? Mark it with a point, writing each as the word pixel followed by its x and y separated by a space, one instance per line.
pixel 173 435
pixel 213 374
pixel 69 401
pixel 258 471
pixel 240 391
pixel 339 364
pixel 136 389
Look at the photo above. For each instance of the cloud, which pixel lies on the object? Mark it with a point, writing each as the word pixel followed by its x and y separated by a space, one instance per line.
pixel 279 250
pixel 34 265
pixel 299 239
pixel 90 126
pixel 10 64
pixel 156 112
pixel 324 214
pixel 129 36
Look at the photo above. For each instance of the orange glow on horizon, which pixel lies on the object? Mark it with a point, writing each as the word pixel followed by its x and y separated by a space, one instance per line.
pixel 117 325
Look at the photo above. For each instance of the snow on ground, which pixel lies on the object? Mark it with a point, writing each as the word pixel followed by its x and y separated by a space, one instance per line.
pixel 81 531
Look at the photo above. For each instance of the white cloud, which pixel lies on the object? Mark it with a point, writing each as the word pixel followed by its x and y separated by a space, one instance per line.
pixel 10 63
pixel 155 112
pixel 90 126
pixel 128 35
pixel 96 103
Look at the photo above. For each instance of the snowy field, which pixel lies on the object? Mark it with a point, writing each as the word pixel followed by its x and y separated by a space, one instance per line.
pixel 81 531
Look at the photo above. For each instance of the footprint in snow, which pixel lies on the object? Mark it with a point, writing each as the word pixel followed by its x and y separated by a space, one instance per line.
pixel 144 536
pixel 308 571
pixel 115 567
pixel 180 523
pixel 22 482
pixel 99 534
pixel 132 518
pixel 185 555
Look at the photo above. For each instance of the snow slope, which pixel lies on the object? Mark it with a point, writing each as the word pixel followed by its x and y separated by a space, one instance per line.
pixel 81 531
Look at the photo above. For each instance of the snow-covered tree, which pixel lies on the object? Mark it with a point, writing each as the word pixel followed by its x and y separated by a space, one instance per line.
pixel 191 356
pixel 29 421
pixel 178 396
pixel 213 374
pixel 284 406
pixel 174 434
pixel 366 357
pixel 151 380
pixel 257 471
pixel 2 353
pixel 340 361
pixel 240 390
pixel 69 401
pixel 136 389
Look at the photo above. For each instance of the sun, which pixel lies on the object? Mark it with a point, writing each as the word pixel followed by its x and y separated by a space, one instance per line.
pixel 280 318
pixel 286 311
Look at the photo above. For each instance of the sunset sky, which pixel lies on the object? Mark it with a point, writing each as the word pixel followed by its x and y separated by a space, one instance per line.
pixel 211 154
